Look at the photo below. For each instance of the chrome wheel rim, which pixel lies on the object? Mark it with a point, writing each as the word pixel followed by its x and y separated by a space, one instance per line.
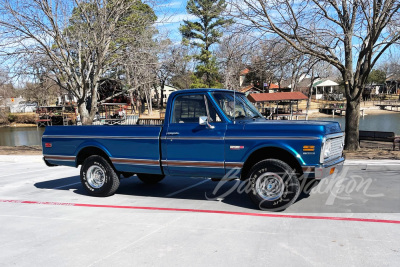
pixel 96 176
pixel 270 186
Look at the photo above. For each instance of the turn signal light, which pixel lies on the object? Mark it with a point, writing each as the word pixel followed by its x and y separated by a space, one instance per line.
pixel 309 148
pixel 332 171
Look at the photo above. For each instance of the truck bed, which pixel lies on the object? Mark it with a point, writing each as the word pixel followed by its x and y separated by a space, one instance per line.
pixel 130 148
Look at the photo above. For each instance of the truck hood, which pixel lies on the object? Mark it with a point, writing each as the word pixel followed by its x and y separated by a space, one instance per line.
pixel 294 127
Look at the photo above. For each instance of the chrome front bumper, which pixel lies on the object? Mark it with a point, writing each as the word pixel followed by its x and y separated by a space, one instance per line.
pixel 324 170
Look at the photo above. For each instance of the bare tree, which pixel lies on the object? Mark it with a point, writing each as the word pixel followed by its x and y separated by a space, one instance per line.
pixel 79 40
pixel 169 64
pixel 350 35
pixel 183 68
pixel 6 88
pixel 138 61
pixel 233 56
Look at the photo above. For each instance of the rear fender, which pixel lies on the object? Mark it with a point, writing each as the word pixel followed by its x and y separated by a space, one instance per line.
pixel 88 144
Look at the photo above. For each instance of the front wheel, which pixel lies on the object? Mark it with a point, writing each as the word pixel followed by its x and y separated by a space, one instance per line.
pixel 98 177
pixel 150 178
pixel 273 185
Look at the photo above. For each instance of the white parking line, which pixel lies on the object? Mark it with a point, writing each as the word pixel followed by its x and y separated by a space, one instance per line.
pixel 64 186
pixel 18 173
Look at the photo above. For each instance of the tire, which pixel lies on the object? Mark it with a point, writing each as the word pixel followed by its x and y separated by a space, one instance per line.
pixel 150 178
pixel 273 185
pixel 98 177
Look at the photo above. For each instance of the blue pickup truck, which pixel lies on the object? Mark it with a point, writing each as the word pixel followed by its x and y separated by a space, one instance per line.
pixel 210 133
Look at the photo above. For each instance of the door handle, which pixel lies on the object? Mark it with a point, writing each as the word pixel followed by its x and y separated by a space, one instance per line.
pixel 172 133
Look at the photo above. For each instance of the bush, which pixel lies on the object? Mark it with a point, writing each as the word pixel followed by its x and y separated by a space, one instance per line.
pixel 22 118
pixel 11 118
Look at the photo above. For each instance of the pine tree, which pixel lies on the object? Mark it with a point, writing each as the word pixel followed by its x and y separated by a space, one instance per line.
pixel 203 34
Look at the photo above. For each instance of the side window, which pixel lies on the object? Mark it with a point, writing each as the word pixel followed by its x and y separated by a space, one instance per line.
pixel 213 113
pixel 188 109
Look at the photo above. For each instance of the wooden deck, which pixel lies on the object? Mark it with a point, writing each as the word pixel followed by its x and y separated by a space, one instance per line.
pixel 389 105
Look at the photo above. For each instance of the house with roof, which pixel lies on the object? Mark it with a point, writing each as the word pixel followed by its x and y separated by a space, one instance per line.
pixel 167 91
pixel 251 87
pixel 279 105
pixel 393 84
pixel 321 87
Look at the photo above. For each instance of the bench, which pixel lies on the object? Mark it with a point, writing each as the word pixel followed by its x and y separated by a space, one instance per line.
pixel 379 136
pixel 43 122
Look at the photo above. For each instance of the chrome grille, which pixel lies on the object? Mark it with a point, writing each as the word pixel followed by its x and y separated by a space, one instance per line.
pixel 337 145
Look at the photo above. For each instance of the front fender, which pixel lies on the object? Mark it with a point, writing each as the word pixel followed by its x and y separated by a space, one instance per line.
pixel 283 146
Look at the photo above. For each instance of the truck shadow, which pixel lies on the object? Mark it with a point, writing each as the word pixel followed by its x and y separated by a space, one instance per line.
pixel 228 192
pixel 170 187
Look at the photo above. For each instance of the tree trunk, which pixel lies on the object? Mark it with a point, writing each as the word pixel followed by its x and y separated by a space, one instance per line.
pixel 84 114
pixel 352 122
pixel 162 95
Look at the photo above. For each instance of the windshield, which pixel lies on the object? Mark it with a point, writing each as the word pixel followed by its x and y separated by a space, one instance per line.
pixel 242 109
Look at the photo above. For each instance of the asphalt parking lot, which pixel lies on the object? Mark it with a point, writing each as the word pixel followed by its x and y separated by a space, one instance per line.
pixel 47 219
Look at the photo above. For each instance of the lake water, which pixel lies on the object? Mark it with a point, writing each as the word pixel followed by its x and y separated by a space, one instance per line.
pixel 28 136
pixel 21 136
pixel 382 122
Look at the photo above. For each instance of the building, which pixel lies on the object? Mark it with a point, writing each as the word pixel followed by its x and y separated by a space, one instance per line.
pixel 321 87
pixel 167 91
pixel 19 105
pixel 66 99
pixel 279 105
pixel 393 84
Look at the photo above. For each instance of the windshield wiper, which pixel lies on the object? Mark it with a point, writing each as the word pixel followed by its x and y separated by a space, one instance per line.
pixel 256 116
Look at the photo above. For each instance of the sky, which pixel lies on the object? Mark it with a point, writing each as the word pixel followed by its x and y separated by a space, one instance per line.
pixel 171 14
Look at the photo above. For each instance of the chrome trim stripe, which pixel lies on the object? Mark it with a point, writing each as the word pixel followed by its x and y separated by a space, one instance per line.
pixel 182 166
pixel 193 138
pixel 242 138
pixel 271 137
pixel 100 137
pixel 202 164
pixel 182 163
pixel 59 157
pixel 135 161
pixel 233 164
pixel 186 138
pixel 335 135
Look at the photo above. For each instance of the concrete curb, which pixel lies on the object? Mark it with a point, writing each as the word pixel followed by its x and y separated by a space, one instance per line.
pixel 21 158
pixel 375 162
pixel 381 165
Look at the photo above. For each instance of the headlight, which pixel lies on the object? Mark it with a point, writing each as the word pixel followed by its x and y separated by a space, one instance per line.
pixel 325 149
pixel 328 148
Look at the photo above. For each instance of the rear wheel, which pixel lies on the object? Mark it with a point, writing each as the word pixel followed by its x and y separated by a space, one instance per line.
pixel 150 178
pixel 273 185
pixel 98 177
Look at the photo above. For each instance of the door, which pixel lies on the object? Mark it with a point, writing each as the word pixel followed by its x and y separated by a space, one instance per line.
pixel 194 149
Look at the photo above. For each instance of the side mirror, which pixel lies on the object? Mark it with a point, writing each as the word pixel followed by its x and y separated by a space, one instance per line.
pixel 203 120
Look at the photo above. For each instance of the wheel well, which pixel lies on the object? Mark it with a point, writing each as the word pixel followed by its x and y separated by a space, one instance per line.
pixel 90 151
pixel 270 153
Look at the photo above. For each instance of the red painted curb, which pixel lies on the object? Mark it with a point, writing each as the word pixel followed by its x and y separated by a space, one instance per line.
pixel 202 211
